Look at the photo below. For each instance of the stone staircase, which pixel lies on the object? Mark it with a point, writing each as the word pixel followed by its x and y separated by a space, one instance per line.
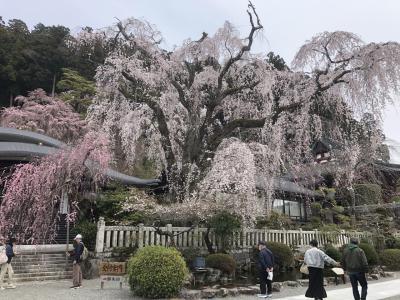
pixel 41 266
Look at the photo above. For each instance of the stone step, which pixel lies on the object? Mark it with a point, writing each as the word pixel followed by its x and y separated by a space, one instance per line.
pixel 41 269
pixel 43 278
pixel 43 274
pixel 38 257
pixel 36 263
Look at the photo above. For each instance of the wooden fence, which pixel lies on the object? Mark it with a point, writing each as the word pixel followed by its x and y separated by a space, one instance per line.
pixel 110 237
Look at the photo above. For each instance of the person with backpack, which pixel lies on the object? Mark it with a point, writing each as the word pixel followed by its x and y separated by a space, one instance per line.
pixel 77 254
pixel 266 269
pixel 6 267
pixel 355 263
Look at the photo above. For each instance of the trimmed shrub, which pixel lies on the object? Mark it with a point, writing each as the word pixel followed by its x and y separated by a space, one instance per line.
pixel 395 199
pixel 221 261
pixel 391 259
pixel 333 253
pixel 283 255
pixel 157 272
pixel 367 193
pixel 392 243
pixel 88 231
pixel 224 225
pixel 370 253
pixel 275 221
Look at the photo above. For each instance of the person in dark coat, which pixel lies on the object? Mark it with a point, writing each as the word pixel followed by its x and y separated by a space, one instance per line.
pixel 266 268
pixel 76 269
pixel 355 263
pixel 7 268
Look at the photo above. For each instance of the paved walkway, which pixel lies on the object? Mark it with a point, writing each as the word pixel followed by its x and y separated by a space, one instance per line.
pixel 59 290
pixel 386 290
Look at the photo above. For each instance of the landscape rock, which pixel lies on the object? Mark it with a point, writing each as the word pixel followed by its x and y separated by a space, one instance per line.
pixel 277 286
pixel 209 293
pixel 303 282
pixel 375 276
pixel 233 292
pixel 292 283
pixel 190 294
pixel 246 291
pixel 223 292
pixel 390 274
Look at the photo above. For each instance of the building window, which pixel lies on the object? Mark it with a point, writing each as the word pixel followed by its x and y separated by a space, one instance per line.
pixel 291 208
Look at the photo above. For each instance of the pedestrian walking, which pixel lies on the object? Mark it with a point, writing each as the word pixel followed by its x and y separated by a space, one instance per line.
pixel 355 263
pixel 266 269
pixel 77 256
pixel 6 268
pixel 315 260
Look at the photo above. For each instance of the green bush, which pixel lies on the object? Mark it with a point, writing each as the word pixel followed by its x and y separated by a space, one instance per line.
pixel 392 243
pixel 395 199
pixel 275 221
pixel 333 253
pixel 221 261
pixel 316 209
pixel 283 255
pixel 391 259
pixel 89 231
pixel 224 225
pixel 370 253
pixel 367 193
pixel 157 272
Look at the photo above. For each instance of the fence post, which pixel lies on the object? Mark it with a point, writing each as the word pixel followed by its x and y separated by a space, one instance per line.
pixel 141 236
pixel 196 238
pixel 316 235
pixel 101 224
pixel 285 240
pixel 301 237
pixel 170 240
pixel 244 232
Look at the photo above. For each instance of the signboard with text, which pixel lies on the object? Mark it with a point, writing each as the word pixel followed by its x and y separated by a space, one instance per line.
pixel 112 271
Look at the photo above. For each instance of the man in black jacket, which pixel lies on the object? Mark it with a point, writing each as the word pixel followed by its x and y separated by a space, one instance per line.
pixel 266 268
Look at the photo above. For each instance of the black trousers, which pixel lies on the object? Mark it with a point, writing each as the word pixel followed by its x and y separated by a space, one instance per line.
pixel 265 284
pixel 316 288
pixel 356 278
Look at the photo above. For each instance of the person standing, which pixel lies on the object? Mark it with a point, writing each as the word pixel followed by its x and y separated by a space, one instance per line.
pixel 7 267
pixel 266 268
pixel 315 260
pixel 355 263
pixel 76 268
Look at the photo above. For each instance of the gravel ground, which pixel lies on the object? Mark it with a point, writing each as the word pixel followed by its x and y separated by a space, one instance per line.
pixel 59 290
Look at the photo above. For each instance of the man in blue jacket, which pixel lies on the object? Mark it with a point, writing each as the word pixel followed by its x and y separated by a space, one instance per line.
pixel 266 268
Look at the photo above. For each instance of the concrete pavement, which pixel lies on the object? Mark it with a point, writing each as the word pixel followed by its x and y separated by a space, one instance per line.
pixel 376 291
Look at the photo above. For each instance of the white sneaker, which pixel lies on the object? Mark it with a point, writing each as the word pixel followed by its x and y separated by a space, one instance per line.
pixel 262 296
pixel 2 288
pixel 11 286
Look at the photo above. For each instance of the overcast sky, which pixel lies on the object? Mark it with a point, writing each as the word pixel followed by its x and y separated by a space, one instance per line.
pixel 287 23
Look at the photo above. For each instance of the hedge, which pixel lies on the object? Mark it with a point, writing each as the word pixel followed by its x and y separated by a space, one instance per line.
pixel 283 255
pixel 157 272
pixel 370 253
pixel 221 261
pixel 391 259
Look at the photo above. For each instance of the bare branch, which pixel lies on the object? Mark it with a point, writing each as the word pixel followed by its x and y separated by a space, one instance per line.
pixel 245 48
